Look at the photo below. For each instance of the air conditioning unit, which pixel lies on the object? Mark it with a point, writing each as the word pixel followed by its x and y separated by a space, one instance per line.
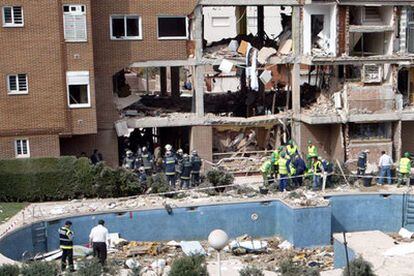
pixel 372 73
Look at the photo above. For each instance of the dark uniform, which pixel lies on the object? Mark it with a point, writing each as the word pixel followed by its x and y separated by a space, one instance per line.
pixel 169 166
pixel 196 163
pixel 66 244
pixel 147 161
pixel 185 169
pixel 362 163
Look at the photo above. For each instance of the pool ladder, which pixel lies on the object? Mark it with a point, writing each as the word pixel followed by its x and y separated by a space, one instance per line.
pixel 408 214
pixel 39 236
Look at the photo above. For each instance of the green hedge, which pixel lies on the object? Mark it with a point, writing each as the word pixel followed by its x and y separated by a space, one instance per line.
pixel 43 179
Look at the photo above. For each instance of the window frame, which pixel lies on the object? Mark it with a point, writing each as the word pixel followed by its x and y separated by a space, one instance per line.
pixel 124 17
pixel 22 155
pixel 173 37
pixel 86 22
pixel 18 91
pixel 82 75
pixel 11 25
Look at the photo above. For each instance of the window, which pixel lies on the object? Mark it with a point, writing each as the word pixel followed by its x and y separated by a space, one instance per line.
pixel 13 16
pixel 74 23
pixel 126 27
pixel 22 148
pixel 370 131
pixel 172 27
pixel 78 89
pixel 17 84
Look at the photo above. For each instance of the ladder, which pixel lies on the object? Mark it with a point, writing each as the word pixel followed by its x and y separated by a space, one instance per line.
pixel 408 210
pixel 39 237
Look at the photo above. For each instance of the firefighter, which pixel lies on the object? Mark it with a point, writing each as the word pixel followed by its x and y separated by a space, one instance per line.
pixel 300 167
pixel 362 163
pixel 129 161
pixel 169 168
pixel 66 245
pixel 196 163
pixel 142 177
pixel 147 160
pixel 185 168
pixel 404 169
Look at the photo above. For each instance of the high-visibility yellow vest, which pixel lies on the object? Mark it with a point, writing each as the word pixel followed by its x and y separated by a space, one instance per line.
pixel 312 151
pixel 292 169
pixel 317 167
pixel 282 166
pixel 266 167
pixel 405 165
pixel 291 149
pixel 275 156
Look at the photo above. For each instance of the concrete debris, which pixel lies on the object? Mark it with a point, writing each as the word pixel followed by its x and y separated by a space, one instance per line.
pixel 233 45
pixel 244 45
pixel 404 233
pixel 173 244
pixel 158 266
pixel 266 76
pixel 192 248
pixel 226 66
pixel 252 246
pixel 81 251
pixel 264 54
pixel 58 210
pixel 285 245
pixel 324 105
pixel 132 263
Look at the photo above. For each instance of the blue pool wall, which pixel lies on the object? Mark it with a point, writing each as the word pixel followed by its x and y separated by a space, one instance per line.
pixel 187 223
pixel 304 227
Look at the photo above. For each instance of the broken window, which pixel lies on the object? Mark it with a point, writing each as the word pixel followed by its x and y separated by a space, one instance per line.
pixel 370 131
pixel 78 89
pixel 22 148
pixel 172 27
pixel 126 27
pixel 13 16
pixel 316 28
pixel 370 44
pixel 74 23
pixel 17 84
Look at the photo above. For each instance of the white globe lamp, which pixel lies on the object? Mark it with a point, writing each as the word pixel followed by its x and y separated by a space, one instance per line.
pixel 218 239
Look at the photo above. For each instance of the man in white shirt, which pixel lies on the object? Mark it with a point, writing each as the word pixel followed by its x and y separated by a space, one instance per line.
pixel 385 164
pixel 99 238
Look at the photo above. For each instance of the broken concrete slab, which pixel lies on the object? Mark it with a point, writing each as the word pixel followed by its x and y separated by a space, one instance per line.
pixel 264 54
pixel 192 248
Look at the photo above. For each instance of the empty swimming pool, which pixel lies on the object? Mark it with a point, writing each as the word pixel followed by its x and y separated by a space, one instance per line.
pixel 304 227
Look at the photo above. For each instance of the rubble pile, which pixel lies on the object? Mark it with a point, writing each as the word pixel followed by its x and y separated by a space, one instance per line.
pixel 302 197
pixel 156 257
pixel 323 105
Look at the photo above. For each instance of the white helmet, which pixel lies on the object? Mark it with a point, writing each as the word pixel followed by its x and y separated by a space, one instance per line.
pixel 129 153
pixel 180 151
pixel 168 147
pixel 141 169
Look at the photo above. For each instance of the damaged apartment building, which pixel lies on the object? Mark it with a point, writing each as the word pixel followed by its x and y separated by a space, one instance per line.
pixel 228 78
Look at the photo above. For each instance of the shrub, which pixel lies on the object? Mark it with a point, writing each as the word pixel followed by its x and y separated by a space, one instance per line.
pixel 189 266
pixel 39 269
pixel 158 183
pixel 219 178
pixel 90 267
pixel 9 270
pixel 251 271
pixel 359 267
pixel 289 268
pixel 42 179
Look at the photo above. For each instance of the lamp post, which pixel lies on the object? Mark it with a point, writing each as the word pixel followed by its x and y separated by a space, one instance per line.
pixel 218 239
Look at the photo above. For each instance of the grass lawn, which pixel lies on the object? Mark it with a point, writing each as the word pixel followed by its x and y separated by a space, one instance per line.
pixel 7 210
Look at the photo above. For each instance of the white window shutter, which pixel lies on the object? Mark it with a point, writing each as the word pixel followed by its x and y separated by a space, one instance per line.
pixel 75 27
